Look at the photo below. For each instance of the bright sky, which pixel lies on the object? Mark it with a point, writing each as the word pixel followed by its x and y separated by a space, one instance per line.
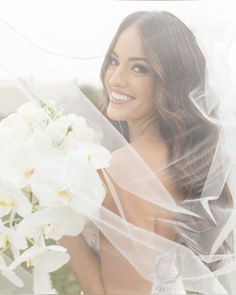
pixel 82 29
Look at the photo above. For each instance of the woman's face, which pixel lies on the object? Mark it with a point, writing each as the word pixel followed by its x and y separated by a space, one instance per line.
pixel 129 79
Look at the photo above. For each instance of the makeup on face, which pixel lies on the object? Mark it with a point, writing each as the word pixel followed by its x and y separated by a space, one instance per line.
pixel 129 79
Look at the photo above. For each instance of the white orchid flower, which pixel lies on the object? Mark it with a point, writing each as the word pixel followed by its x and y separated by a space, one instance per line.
pixel 33 116
pixel 68 181
pixel 72 139
pixel 49 258
pixel 11 237
pixel 19 161
pixel 68 131
pixel 12 131
pixel 44 260
pixel 12 198
pixel 80 130
pixel 53 223
pixel 96 154
pixel 58 130
pixel 20 126
pixel 9 274
pixel 53 158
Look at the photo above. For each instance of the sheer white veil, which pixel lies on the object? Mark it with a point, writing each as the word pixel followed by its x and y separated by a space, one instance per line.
pixel 202 258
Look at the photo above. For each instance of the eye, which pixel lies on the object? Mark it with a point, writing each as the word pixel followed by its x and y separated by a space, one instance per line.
pixel 140 69
pixel 112 61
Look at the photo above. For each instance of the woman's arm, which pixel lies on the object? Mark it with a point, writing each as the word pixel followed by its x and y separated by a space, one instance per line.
pixel 85 264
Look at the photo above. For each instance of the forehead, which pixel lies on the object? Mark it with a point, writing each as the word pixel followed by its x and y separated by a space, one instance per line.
pixel 129 43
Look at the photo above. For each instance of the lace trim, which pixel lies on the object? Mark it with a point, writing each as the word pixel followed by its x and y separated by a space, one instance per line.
pixel 166 280
pixel 91 236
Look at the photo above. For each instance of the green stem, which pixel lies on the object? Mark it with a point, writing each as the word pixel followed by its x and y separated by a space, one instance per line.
pixel 69 129
pixel 10 220
pixel 4 249
pixel 31 241
pixel 31 197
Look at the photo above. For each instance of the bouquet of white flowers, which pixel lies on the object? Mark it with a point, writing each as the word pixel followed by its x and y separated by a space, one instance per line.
pixel 49 186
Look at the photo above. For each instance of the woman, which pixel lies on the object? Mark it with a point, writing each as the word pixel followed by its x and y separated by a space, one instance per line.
pixel 153 74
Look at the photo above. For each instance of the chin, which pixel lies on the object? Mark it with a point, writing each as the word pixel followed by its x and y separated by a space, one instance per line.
pixel 116 116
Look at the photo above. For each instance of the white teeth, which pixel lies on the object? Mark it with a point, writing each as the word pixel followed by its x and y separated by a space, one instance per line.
pixel 120 96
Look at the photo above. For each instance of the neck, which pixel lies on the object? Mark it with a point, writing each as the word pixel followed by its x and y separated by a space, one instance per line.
pixel 143 129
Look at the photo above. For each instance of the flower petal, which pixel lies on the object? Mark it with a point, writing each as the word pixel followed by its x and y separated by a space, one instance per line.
pixel 42 281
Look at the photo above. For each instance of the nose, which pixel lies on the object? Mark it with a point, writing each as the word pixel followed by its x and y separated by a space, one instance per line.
pixel 118 78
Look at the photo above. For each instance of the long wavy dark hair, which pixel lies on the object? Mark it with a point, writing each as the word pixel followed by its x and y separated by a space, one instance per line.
pixel 179 67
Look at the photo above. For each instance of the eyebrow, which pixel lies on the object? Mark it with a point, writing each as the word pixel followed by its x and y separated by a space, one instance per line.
pixel 132 58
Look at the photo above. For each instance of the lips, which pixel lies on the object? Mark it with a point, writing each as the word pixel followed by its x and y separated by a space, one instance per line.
pixel 120 98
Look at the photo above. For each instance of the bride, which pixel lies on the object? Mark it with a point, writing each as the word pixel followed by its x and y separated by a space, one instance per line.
pixel 154 93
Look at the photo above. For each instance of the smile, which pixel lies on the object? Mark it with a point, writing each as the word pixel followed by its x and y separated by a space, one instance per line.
pixel 119 98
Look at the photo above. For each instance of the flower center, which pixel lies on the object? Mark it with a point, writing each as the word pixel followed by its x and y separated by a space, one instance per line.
pixel 6 204
pixel 65 194
pixel 89 157
pixel 28 173
pixel 29 263
pixel 3 241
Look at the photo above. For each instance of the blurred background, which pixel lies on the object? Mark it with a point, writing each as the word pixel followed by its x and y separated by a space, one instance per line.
pixel 53 44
